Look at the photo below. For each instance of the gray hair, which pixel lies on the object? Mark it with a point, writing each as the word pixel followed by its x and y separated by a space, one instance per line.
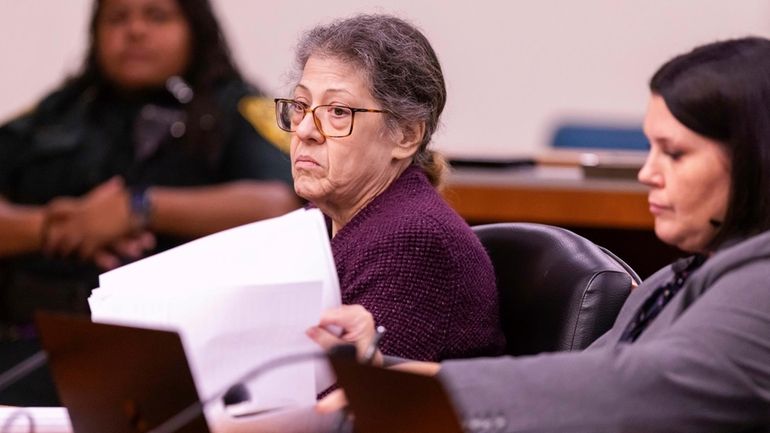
pixel 400 66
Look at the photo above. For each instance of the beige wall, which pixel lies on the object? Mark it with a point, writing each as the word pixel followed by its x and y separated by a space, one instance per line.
pixel 513 68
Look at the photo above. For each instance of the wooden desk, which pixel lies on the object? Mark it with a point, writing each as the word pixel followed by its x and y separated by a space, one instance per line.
pixel 611 212
pixel 550 195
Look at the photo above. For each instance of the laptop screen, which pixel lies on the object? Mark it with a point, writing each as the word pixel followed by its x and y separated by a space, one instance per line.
pixel 389 401
pixel 117 379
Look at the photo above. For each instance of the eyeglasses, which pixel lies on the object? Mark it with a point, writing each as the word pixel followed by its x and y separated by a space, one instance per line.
pixel 333 121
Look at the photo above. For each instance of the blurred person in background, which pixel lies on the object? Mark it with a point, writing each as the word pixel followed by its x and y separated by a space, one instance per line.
pixel 143 150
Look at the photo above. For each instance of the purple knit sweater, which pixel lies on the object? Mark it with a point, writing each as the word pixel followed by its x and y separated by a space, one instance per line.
pixel 419 269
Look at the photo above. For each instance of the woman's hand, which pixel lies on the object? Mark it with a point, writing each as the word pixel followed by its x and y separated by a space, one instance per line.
pixel 333 402
pixel 357 326
pixel 88 224
pixel 124 250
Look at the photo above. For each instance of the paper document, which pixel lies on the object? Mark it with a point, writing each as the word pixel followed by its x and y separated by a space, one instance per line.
pixel 34 419
pixel 298 420
pixel 238 299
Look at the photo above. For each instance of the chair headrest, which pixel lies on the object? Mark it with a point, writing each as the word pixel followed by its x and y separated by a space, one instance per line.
pixel 558 290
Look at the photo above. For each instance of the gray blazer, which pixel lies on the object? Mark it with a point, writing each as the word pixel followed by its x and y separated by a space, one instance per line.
pixel 703 365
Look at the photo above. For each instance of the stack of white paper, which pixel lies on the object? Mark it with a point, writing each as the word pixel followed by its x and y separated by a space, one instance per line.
pixel 34 419
pixel 238 299
pixel 298 420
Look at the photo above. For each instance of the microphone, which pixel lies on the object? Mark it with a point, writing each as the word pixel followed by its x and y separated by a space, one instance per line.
pixel 236 393
pixel 22 369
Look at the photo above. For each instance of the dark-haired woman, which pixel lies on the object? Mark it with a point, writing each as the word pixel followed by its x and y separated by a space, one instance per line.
pixel 690 350
pixel 143 150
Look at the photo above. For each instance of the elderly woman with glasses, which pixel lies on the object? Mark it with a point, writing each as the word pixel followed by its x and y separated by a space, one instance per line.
pixel 361 115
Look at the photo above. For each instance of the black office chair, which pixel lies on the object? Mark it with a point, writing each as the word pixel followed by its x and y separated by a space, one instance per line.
pixel 558 290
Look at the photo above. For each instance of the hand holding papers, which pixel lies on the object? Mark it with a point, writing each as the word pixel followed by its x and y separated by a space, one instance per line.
pixel 238 298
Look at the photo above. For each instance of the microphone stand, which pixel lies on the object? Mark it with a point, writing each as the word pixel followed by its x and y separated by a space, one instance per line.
pixel 18 371
pixel 189 413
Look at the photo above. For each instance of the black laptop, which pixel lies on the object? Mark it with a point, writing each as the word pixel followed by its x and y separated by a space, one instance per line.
pixel 118 379
pixel 389 401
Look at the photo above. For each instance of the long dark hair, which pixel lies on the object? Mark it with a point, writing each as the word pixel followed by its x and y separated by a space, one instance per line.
pixel 211 64
pixel 722 91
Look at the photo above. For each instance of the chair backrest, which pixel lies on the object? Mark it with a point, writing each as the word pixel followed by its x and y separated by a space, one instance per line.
pixel 558 290
pixel 577 136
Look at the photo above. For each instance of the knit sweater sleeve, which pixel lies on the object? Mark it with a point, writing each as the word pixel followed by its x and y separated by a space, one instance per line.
pixel 406 279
